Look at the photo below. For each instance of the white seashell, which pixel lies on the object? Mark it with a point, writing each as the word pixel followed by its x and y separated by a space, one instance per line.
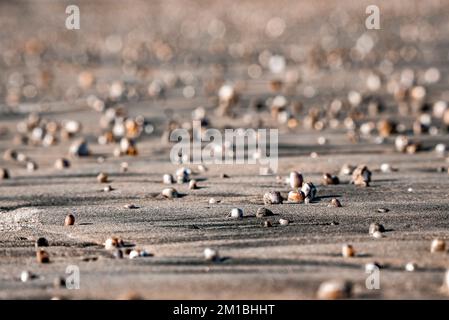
pixel 167 179
pixel 283 222
pixel 411 266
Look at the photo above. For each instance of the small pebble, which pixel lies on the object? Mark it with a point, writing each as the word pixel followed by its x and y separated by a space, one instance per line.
pixel 31 166
pixel 26 276
pixel 211 254
pixel 329 179
pixel 295 180
pixel 4 174
pixel 335 289
pixel 411 266
pixel 309 191
pixel 334 203
pixel 41 242
pixel 236 213
pixel 284 222
pixel 124 167
pixel 167 179
pixel 267 224
pixel 62 163
pixel 213 201
pixel 192 184
pixel 347 251
pixel 361 176
pixel 347 169
pixel 79 148
pixel 113 243
pixel 42 256
pixel 438 245
pixel 224 176
pixel 372 266
pixel 170 193
pixel 273 197
pixel 263 212
pixel 131 206
pixel 383 210
pixel 377 234
pixel 118 254
pixel 69 220
pixel 59 282
pixel 296 196
pixel 102 178
pixel 373 227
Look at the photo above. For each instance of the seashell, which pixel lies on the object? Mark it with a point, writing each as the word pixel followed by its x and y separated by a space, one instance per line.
pixel 167 179
pixel 102 178
pixel 295 180
pixel 107 189
pixel 113 243
pixel 211 254
pixel 383 210
pixel 62 163
pixel 272 197
pixel 263 212
pixel 328 179
pixel 69 220
pixel 284 222
pixel 42 256
pixel 296 196
pixel 79 148
pixel 41 242
pixel 4 174
pixel 192 184
pixel 376 227
pixel 309 190
pixel 347 169
pixel 438 245
pixel 334 203
pixel 170 193
pixel 335 289
pixel 347 251
pixel 236 213
pixel 131 206
pixel 361 176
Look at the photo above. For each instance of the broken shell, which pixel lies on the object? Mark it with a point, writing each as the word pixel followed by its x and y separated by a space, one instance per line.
pixel 113 243
pixel 347 251
pixel 376 227
pixel 273 197
pixel 334 203
pixel 267 224
pixel 263 212
pixel 296 180
pixel 192 184
pixel 296 196
pixel 69 220
pixel 329 179
pixel 42 256
pixel 361 176
pixel 309 190
pixel 167 179
pixel 41 242
pixel 211 254
pixel 438 245
pixel 284 222
pixel 170 193
pixel 79 148
pixel 236 213
pixel 62 163
pixel 335 289
pixel 4 174
pixel 102 178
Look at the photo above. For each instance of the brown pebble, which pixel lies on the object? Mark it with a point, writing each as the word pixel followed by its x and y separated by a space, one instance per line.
pixel 361 176
pixel 102 178
pixel 4 174
pixel 438 245
pixel 267 224
pixel 263 212
pixel 69 220
pixel 335 289
pixel 329 179
pixel 347 251
pixel 42 256
pixel 62 163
